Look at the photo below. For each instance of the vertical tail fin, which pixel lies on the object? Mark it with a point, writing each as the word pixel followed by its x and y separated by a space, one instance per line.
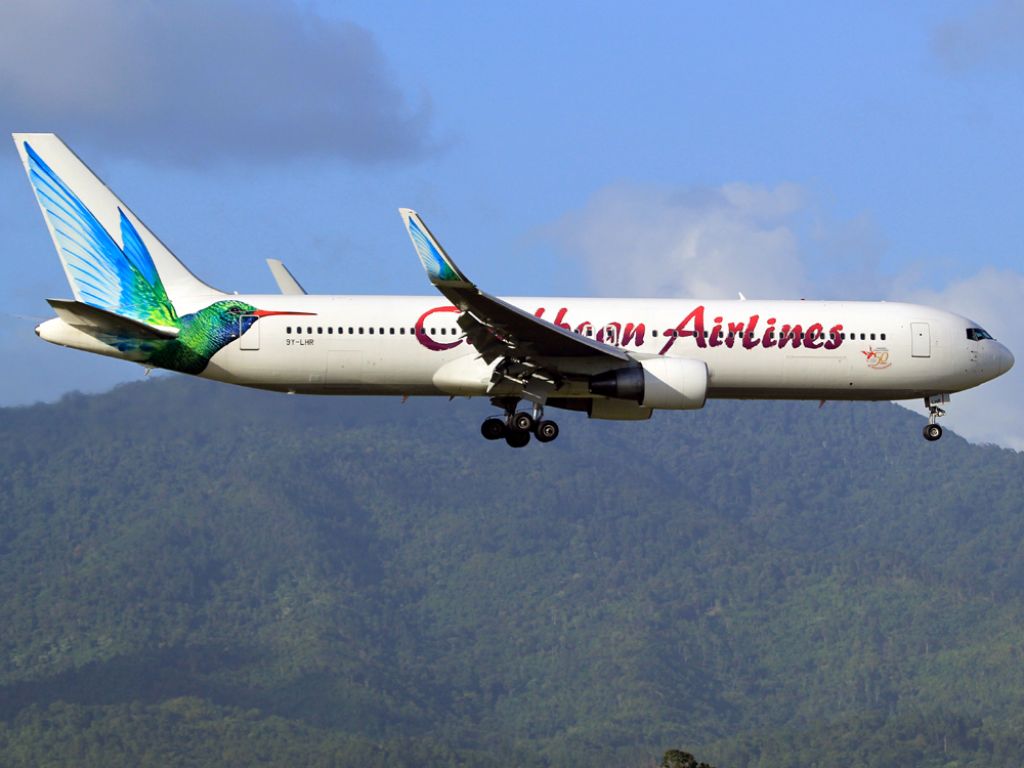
pixel 138 278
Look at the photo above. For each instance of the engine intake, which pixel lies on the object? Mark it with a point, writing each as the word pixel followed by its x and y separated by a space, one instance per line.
pixel 663 382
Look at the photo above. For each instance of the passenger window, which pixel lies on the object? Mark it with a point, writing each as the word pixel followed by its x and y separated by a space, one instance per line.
pixel 433 331
pixel 351 330
pixel 392 330
pixel 654 334
pixel 330 330
pixel 872 337
pixel 309 329
pixel 288 329
pixel 401 331
pixel 360 331
pixel 883 337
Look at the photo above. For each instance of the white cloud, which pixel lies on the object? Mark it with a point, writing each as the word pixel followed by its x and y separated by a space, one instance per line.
pixel 201 82
pixel 994 412
pixel 709 242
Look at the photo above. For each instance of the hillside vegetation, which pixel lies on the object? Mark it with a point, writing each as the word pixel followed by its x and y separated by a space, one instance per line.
pixel 192 574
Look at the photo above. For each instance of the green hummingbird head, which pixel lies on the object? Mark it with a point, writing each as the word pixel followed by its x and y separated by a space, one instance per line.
pixel 212 327
pixel 206 331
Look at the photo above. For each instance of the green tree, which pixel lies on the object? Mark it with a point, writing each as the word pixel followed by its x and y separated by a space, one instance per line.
pixel 676 758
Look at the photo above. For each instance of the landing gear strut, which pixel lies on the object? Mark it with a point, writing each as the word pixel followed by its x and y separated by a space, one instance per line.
pixel 517 426
pixel 932 431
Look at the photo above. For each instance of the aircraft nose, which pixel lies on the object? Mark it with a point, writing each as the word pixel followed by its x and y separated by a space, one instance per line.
pixel 1004 359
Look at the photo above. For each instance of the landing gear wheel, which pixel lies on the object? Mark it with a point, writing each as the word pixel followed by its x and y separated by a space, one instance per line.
pixel 521 422
pixel 493 429
pixel 933 431
pixel 546 431
pixel 517 439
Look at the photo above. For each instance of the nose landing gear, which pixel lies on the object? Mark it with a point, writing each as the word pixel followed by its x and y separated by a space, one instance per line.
pixel 517 426
pixel 932 431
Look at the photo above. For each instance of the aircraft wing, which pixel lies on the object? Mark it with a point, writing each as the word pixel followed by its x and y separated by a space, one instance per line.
pixel 495 327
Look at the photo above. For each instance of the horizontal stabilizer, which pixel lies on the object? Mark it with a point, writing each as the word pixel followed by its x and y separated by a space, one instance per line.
pixel 285 280
pixel 95 320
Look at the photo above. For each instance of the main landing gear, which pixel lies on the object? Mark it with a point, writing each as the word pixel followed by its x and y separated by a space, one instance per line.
pixel 932 431
pixel 517 426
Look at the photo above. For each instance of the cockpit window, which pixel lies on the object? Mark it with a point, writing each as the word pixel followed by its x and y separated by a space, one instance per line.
pixel 977 334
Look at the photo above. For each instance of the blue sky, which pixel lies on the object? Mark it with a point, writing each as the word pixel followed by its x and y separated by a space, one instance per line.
pixel 861 150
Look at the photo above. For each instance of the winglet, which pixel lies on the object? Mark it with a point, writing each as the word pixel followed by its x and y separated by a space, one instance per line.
pixel 440 269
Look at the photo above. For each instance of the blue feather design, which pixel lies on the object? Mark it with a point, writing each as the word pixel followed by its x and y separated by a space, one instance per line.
pixel 123 280
pixel 436 265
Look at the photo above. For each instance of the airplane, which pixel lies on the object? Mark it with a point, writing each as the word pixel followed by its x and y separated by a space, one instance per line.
pixel 617 359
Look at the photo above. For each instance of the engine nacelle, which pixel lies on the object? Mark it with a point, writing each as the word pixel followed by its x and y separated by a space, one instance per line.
pixel 662 382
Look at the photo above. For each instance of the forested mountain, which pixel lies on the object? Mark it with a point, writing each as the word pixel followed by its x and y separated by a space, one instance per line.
pixel 192 574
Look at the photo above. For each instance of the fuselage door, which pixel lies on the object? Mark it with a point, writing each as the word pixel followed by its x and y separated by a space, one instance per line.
pixel 248 339
pixel 920 340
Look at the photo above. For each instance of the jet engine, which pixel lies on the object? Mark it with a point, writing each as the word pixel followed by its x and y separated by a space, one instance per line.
pixel 662 382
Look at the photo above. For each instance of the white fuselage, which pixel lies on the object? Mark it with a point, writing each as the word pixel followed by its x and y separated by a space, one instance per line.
pixel 412 345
